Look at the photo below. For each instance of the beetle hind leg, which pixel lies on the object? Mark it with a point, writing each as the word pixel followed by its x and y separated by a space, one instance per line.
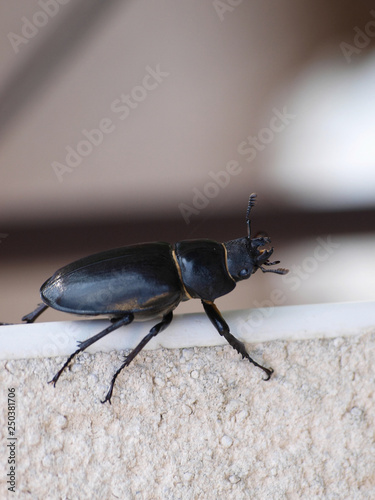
pixel 222 327
pixel 31 317
pixel 167 318
pixel 124 320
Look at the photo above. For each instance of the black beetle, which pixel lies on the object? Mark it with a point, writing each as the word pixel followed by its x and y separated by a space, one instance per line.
pixel 149 280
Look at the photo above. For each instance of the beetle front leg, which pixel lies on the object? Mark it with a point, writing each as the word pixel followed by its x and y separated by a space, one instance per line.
pixel 129 358
pixel 222 327
pixel 124 320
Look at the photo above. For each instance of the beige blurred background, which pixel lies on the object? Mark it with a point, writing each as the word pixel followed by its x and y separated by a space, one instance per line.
pixel 279 95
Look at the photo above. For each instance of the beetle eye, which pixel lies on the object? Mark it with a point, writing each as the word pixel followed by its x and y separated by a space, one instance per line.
pixel 244 273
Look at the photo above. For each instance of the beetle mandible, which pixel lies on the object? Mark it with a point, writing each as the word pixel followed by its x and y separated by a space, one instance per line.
pixel 149 280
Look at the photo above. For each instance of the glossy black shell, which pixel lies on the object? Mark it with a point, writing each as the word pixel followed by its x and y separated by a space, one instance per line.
pixel 142 279
pixel 204 271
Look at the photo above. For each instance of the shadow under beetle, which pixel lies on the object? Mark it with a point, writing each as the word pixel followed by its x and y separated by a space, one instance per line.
pixel 149 280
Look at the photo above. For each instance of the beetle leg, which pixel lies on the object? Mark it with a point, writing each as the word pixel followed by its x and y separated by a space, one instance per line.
pixel 222 327
pixel 129 358
pixel 31 317
pixel 124 320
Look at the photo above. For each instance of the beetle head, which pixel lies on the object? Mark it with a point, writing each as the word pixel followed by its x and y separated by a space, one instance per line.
pixel 246 255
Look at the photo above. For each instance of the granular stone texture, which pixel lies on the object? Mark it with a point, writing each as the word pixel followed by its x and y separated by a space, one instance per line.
pixel 197 424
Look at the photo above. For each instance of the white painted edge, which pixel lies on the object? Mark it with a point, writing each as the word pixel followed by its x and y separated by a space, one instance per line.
pixel 192 330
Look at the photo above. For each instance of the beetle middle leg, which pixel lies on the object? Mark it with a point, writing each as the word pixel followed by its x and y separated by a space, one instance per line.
pixel 116 323
pixel 222 327
pixel 167 318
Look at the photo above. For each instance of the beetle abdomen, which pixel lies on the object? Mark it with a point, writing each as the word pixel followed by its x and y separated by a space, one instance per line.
pixel 140 279
pixel 203 268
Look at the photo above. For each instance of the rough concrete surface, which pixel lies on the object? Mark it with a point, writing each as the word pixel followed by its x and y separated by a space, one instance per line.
pixel 197 424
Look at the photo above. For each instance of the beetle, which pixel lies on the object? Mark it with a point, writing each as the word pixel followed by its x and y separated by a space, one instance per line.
pixel 149 280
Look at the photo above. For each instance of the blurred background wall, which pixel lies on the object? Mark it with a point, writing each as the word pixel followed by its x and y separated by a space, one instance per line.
pixel 130 121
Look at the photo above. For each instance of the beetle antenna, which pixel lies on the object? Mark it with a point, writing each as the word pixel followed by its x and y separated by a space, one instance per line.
pixel 252 201
pixel 279 270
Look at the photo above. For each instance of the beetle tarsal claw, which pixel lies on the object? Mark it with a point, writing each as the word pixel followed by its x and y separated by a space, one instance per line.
pixel 269 372
pixel 107 398
pixel 53 381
